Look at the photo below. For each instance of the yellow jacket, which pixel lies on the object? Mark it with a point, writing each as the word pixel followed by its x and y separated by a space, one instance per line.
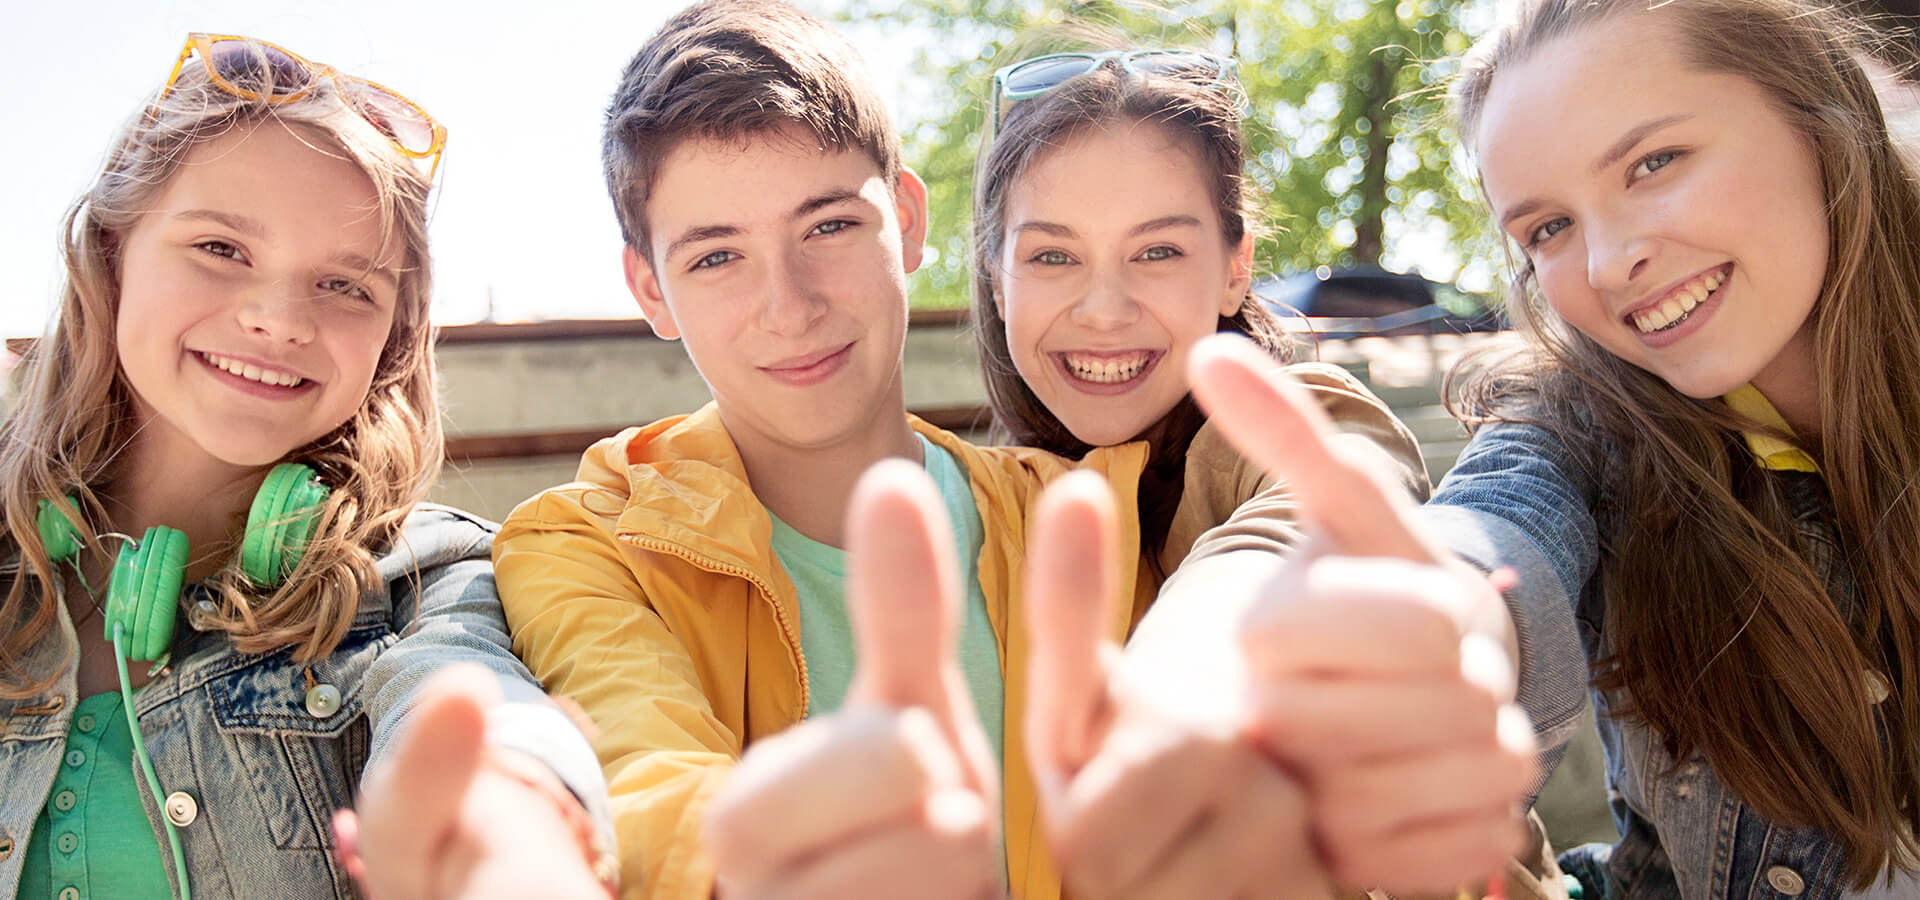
pixel 647 591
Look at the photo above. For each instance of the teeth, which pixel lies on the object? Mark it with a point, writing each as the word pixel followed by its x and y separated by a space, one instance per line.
pixel 1672 310
pixel 1683 302
pixel 1107 370
pixel 252 372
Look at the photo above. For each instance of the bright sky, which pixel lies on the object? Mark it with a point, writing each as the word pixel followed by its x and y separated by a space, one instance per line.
pixel 522 227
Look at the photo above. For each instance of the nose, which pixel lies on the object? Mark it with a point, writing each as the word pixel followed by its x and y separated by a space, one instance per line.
pixel 1617 253
pixel 280 313
pixel 792 300
pixel 1107 305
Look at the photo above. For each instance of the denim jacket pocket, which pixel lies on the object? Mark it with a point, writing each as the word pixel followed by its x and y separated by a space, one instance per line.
pixel 299 742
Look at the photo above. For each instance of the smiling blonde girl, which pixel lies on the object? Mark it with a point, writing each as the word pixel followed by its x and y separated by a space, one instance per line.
pixel 237 398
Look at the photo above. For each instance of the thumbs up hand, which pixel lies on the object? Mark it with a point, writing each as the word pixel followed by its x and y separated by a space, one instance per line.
pixel 1382 667
pixel 427 823
pixel 894 794
pixel 1139 801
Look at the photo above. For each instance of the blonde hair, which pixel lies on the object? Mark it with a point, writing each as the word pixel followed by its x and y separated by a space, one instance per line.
pixel 1743 617
pixel 74 413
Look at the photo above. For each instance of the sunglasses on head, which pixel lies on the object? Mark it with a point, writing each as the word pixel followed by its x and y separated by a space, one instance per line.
pixel 1030 78
pixel 257 70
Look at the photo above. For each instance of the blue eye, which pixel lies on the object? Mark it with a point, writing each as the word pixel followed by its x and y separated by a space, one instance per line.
pixel 1159 252
pixel 1654 162
pixel 1548 230
pixel 1052 258
pixel 716 258
pixel 832 226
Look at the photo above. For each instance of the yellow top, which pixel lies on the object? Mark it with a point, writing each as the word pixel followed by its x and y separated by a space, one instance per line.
pixel 1771 452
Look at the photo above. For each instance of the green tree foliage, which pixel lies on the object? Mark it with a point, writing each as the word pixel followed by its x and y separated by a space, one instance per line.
pixel 1347 133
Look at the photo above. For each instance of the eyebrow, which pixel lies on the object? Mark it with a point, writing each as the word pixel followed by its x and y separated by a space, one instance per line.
pixel 696 235
pixel 1052 228
pixel 806 208
pixel 1057 230
pixel 1635 135
pixel 1174 221
pixel 1613 155
pixel 819 202
pixel 360 263
pixel 249 227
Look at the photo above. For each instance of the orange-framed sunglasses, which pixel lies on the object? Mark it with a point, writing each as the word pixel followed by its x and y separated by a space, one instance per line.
pixel 233 63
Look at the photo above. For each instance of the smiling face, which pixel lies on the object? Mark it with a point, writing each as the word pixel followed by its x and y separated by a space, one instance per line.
pixel 783 267
pixel 256 297
pixel 1114 264
pixel 1671 214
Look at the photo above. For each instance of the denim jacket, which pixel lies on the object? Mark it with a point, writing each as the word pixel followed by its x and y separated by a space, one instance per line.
pixel 1518 497
pixel 252 770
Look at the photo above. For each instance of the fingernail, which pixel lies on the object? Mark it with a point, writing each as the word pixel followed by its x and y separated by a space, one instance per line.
pixel 1484 664
pixel 955 810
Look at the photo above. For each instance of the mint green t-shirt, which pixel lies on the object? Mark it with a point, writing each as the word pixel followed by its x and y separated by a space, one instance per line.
pixel 819 574
pixel 93 838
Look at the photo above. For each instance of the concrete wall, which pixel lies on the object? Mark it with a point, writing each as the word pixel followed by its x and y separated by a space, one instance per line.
pixel 497 384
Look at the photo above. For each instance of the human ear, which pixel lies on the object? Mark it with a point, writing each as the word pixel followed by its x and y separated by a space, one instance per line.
pixel 645 286
pixel 910 204
pixel 1239 277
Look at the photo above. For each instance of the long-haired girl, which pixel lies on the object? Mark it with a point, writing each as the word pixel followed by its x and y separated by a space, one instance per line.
pixel 221 593
pixel 1702 458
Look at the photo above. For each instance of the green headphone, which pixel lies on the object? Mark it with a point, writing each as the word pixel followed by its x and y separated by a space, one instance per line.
pixel 143 597
pixel 144 592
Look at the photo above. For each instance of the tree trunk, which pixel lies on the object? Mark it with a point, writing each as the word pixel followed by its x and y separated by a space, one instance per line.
pixel 1369 226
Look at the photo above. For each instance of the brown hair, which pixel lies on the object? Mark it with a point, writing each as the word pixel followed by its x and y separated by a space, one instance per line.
pixel 75 413
pixel 1204 115
pixel 733 69
pixel 1743 617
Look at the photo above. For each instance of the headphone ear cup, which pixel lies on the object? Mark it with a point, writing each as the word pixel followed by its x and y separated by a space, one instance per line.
pixel 143 598
pixel 280 522
pixel 57 534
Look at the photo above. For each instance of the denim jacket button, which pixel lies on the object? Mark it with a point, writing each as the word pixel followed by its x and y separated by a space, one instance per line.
pixel 181 808
pixel 1786 881
pixel 69 893
pixel 323 701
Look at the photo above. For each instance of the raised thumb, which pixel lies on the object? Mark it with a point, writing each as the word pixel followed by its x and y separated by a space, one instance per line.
pixel 1274 423
pixel 902 590
pixel 1069 592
